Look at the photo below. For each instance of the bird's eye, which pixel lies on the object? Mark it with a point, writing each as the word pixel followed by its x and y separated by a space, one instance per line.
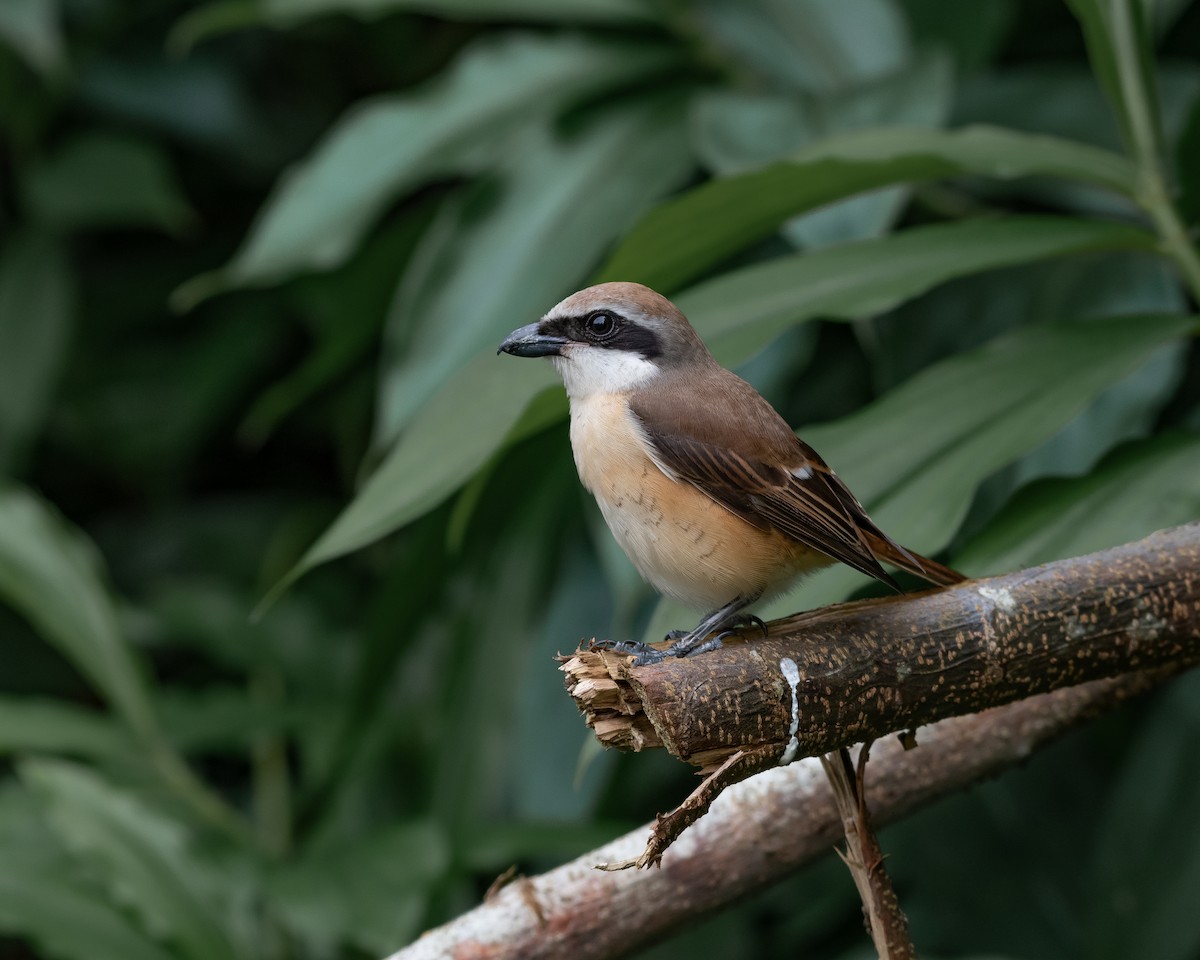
pixel 601 325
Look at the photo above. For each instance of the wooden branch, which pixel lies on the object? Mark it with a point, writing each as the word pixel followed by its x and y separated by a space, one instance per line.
pixel 884 920
pixel 757 832
pixel 853 672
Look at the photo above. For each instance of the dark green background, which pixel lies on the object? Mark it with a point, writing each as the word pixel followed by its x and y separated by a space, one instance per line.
pixel 256 256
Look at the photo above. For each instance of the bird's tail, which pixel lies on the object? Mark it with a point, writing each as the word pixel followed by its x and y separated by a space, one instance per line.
pixel 888 550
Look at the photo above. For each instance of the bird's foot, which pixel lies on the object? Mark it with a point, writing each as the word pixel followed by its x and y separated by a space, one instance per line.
pixel 749 620
pixel 684 643
pixel 642 653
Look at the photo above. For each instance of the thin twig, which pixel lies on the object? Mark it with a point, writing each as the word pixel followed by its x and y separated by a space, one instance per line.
pixel 884 919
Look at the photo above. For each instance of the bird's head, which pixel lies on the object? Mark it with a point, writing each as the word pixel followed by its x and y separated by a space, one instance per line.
pixel 610 338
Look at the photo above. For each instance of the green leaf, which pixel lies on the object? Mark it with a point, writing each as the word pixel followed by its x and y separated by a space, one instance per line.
pixel 685 238
pixel 973 33
pixel 499 267
pixel 321 208
pixel 919 96
pixel 287 12
pixel 213 19
pixel 740 312
pixel 32 29
pixel 965 418
pixel 740 130
pixel 67 921
pixel 35 315
pixel 1142 487
pixel 547 786
pixel 218 718
pixel 371 892
pixel 343 311
pixel 106 181
pixel 465 422
pixel 809 46
pixel 1122 58
pixel 1187 162
pixel 44 725
pixel 142 857
pixel 166 391
pixel 973 413
pixel 737 314
pixel 1108 284
pixel 1146 864
pixel 43 561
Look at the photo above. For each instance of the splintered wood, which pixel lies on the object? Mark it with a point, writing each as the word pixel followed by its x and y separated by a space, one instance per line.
pixel 610 706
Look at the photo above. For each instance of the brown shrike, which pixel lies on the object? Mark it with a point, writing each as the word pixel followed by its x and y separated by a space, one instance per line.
pixel 705 487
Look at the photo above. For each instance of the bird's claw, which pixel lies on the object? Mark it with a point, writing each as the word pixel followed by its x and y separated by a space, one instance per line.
pixel 750 620
pixel 642 653
pixel 683 643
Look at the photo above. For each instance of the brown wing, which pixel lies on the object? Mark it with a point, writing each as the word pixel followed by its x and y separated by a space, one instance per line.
pixel 739 451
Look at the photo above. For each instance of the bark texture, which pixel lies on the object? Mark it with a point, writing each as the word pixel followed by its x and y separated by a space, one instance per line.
pixel 757 832
pixel 853 672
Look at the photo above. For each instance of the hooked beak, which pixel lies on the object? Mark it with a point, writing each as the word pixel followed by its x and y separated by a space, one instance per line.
pixel 528 342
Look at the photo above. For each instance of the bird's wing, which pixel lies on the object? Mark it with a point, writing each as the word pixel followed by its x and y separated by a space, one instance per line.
pixel 767 477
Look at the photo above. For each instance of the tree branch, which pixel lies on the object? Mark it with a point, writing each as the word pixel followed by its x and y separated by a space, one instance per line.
pixel 884 920
pixel 852 672
pixel 756 833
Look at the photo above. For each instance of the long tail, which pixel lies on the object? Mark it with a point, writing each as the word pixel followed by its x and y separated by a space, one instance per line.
pixel 888 551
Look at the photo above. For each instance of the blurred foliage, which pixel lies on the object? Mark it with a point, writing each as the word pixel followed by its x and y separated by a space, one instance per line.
pixel 256 255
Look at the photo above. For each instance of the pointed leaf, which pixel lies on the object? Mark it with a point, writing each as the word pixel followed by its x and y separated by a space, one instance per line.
pixel 499 269
pixel 1120 52
pixel 683 239
pixel 965 418
pixel 31 27
pixel 35 315
pixel 466 421
pixel 44 725
pixel 742 311
pixel 1142 487
pixel 809 45
pixel 43 561
pixel 737 314
pixel 371 892
pixel 106 181
pixel 67 921
pixel 1146 865
pixel 968 416
pixel 582 11
pixel 142 857
pixel 320 210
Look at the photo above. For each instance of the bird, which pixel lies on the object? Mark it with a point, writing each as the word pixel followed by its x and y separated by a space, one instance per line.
pixel 706 488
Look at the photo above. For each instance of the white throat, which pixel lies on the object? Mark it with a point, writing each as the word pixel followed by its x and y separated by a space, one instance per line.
pixel 588 371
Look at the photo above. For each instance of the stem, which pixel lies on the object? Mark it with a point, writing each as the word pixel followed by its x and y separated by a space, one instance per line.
pixel 196 794
pixel 885 920
pixel 272 782
pixel 1153 194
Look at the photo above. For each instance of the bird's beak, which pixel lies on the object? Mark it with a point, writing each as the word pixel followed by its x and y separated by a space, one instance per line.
pixel 528 341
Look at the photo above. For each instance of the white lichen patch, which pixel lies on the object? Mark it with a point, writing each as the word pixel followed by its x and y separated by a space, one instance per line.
pixel 791 673
pixel 1000 596
pixel 1145 627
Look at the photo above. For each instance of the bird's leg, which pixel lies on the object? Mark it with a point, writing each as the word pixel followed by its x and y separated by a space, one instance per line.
pixel 701 639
